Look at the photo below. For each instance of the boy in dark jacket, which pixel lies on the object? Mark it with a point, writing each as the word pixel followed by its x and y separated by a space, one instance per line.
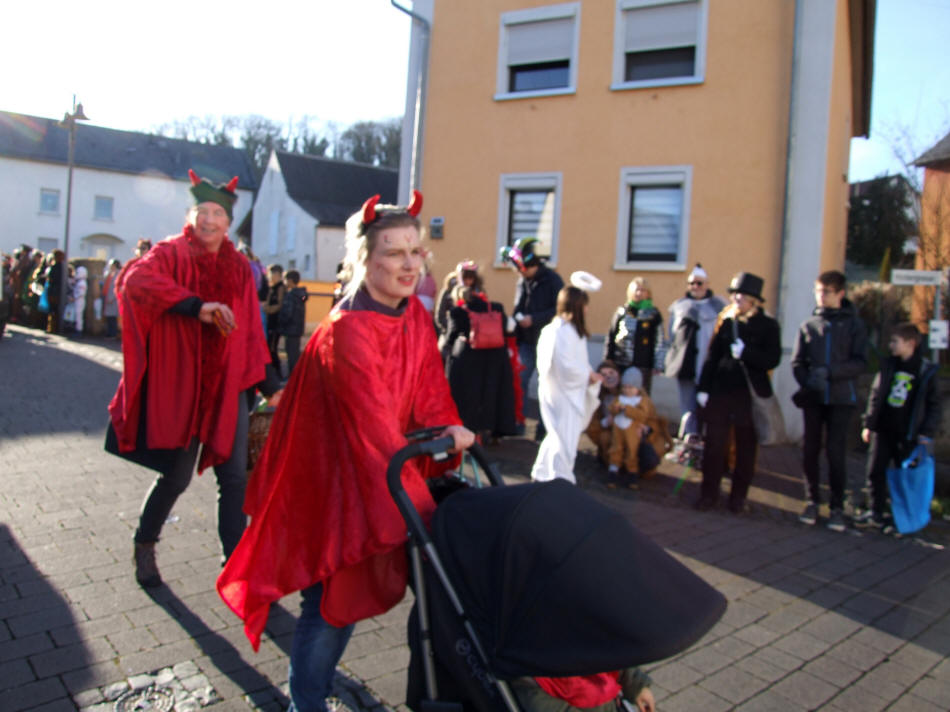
pixel 903 410
pixel 830 352
pixel 271 306
pixel 291 317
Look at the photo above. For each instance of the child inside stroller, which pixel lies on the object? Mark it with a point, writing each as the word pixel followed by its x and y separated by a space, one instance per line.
pixel 535 580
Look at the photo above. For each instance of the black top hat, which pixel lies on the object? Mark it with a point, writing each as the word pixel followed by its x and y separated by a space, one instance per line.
pixel 748 283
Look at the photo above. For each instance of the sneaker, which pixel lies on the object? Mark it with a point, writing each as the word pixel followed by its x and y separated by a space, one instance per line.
pixel 869 520
pixel 809 515
pixel 836 521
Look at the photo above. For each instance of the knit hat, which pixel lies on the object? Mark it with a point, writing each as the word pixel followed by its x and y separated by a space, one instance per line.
pixel 204 192
pixel 632 377
pixel 698 272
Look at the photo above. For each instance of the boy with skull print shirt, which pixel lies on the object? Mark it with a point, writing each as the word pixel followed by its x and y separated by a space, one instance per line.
pixel 903 410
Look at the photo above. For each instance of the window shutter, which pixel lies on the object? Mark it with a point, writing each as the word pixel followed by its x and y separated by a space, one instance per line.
pixel 542 41
pixel 655 220
pixel 661 27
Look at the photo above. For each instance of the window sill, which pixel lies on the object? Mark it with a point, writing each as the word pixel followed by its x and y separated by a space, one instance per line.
pixel 649 266
pixel 654 83
pixel 48 214
pixel 508 96
pixel 107 220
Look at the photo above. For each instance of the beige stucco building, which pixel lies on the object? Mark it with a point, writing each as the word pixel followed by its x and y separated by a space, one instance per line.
pixel 638 137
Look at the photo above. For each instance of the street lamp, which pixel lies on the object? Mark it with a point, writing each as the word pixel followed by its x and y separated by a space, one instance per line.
pixel 69 122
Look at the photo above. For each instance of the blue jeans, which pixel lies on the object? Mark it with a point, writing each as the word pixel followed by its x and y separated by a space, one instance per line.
pixel 528 354
pixel 688 424
pixel 317 648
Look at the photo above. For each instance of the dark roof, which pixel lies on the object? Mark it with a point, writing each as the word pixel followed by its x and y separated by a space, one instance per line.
pixel 938 153
pixel 332 190
pixel 38 139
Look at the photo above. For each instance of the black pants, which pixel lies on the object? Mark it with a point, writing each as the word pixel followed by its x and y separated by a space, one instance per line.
pixel 292 347
pixel 273 343
pixel 883 452
pixel 722 412
pixel 832 422
pixel 232 481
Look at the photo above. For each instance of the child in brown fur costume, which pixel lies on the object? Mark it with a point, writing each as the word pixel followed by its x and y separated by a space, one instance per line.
pixel 635 418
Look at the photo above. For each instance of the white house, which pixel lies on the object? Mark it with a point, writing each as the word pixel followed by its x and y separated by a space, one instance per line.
pixel 126 185
pixel 302 206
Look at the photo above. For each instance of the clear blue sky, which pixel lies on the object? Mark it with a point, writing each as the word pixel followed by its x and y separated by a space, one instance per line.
pixel 136 66
pixel 911 90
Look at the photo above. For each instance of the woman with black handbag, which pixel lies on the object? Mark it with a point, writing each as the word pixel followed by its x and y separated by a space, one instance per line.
pixel 477 364
pixel 745 346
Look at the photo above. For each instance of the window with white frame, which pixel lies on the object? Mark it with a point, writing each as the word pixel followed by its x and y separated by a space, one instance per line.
pixel 537 51
pixel 659 42
pixel 529 205
pixel 102 208
pixel 653 217
pixel 49 201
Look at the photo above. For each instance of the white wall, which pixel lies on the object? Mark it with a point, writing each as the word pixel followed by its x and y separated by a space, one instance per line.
pixel 330 252
pixel 151 206
pixel 276 215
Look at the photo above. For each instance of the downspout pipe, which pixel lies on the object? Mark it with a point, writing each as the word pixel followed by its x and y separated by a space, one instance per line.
pixel 422 80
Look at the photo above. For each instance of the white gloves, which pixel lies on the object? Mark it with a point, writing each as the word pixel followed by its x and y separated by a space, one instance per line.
pixel 702 398
pixel 737 347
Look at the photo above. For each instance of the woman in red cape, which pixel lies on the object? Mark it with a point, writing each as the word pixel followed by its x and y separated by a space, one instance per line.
pixel 322 520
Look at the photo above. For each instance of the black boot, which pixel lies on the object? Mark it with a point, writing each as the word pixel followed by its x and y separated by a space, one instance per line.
pixel 146 570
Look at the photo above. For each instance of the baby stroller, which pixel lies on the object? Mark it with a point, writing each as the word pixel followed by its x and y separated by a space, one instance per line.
pixel 534 579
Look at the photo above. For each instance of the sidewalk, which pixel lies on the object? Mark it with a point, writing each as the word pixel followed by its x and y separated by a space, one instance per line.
pixel 816 620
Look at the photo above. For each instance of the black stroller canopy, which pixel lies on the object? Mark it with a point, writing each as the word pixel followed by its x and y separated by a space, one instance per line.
pixel 557 584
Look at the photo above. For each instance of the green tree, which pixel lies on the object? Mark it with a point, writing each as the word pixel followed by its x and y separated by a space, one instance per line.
pixel 880 219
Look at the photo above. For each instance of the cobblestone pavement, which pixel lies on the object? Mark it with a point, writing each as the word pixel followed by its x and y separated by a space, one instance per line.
pixel 816 620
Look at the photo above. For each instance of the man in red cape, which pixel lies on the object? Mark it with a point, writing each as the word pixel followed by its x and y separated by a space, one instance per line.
pixel 322 519
pixel 192 344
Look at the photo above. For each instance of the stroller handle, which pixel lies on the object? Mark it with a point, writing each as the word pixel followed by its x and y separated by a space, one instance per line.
pixel 420 443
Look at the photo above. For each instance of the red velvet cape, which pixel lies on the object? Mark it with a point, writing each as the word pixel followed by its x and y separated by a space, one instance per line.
pixel 320 508
pixel 171 350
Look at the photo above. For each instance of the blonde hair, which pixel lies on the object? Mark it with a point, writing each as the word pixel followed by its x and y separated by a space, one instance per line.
pixel 360 241
pixel 637 282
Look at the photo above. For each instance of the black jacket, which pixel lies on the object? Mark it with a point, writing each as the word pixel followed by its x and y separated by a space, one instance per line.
pixel 632 338
pixel 292 317
pixel 924 406
pixel 536 298
pixel 830 352
pixel 762 352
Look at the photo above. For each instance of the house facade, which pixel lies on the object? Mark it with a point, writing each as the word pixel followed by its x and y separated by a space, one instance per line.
pixel 126 185
pixel 639 137
pixel 933 241
pixel 302 206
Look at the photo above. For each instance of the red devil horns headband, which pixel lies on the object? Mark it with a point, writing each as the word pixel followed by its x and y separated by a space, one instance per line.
pixel 415 205
pixel 369 207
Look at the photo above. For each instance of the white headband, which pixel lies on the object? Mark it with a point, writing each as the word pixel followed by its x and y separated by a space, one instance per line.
pixel 586 281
